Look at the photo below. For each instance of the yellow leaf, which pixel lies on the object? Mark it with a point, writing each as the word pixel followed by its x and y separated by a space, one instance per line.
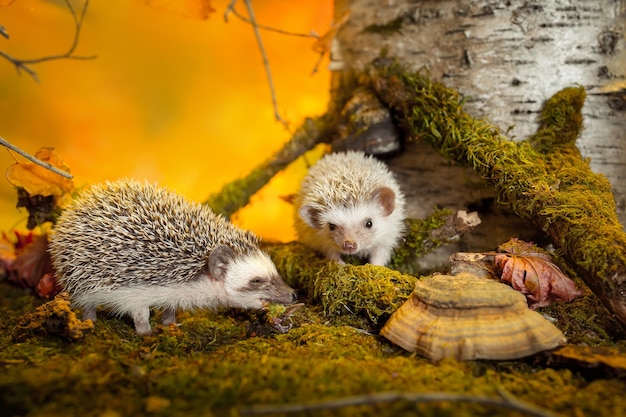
pixel 37 180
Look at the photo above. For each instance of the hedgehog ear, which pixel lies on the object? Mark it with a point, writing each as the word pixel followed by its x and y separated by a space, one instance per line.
pixel 386 198
pixel 219 258
pixel 310 216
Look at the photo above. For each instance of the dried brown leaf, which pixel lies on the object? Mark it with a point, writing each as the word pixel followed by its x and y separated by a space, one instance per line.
pixel 48 286
pixel 31 260
pixel 532 272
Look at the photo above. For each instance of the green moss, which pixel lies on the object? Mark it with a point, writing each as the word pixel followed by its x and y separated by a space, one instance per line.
pixel 371 291
pixel 419 238
pixel 52 318
pixel 561 120
pixel 586 321
pixel 237 193
pixel 211 364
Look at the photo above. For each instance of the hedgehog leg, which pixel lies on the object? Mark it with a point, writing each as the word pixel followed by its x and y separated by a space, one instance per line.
pixel 380 256
pixel 89 313
pixel 334 255
pixel 169 316
pixel 141 318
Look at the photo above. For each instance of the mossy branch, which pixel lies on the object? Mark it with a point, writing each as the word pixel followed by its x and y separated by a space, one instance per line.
pixel 237 194
pixel 371 291
pixel 506 401
pixel 551 184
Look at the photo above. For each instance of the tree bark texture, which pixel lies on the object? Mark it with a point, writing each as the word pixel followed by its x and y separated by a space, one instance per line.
pixel 506 58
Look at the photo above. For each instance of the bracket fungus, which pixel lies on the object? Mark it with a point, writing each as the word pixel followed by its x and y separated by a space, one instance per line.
pixel 467 317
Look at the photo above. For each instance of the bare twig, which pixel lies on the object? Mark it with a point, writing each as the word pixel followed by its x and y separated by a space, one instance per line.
pixel 231 9
pixel 266 62
pixel 24 64
pixel 31 158
pixel 255 26
pixel 324 44
pixel 505 401
pixel 316 67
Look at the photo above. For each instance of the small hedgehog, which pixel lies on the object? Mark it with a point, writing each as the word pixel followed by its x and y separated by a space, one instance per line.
pixel 350 203
pixel 129 247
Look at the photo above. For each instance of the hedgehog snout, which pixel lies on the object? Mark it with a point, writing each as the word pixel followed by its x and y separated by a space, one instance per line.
pixel 284 294
pixel 349 246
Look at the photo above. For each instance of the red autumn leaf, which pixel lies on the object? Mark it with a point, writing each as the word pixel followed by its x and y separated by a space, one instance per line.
pixel 48 286
pixel 31 260
pixel 7 254
pixel 22 240
pixel 533 273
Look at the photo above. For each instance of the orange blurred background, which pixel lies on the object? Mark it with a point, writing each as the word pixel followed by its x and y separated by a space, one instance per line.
pixel 179 101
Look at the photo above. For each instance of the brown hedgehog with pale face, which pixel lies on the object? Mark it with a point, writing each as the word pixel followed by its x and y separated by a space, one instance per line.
pixel 350 204
pixel 130 247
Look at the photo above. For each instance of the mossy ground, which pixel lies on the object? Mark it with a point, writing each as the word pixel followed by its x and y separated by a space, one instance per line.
pixel 216 362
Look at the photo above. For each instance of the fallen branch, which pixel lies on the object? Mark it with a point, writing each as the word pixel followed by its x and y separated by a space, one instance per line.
pixel 236 194
pixel 543 179
pixel 505 400
pixel 368 290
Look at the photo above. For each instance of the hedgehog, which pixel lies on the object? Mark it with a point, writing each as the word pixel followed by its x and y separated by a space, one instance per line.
pixel 130 247
pixel 350 203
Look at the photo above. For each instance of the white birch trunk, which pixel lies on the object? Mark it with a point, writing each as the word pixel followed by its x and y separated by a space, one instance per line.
pixel 507 58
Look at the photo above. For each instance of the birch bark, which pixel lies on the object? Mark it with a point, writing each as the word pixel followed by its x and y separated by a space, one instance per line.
pixel 506 58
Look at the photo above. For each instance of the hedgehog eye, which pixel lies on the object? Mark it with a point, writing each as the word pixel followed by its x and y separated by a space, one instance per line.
pixel 257 281
pixel 368 223
pixel 332 226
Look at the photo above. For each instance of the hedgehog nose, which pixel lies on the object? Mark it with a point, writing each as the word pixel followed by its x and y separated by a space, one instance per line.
pixel 294 297
pixel 349 245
